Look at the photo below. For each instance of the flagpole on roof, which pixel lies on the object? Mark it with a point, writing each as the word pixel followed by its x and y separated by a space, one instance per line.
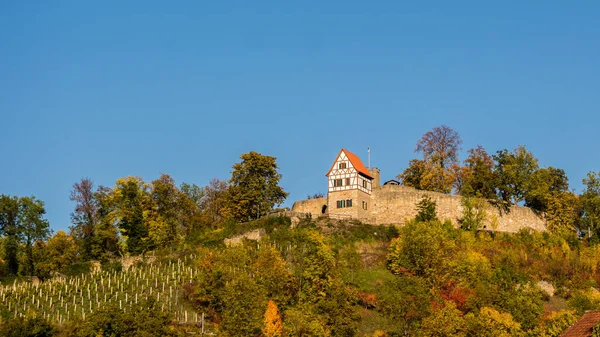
pixel 369 151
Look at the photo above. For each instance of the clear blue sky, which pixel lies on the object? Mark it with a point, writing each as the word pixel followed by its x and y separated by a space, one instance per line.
pixel 108 89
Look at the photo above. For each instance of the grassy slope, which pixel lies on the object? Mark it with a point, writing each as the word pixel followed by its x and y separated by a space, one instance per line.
pixel 360 251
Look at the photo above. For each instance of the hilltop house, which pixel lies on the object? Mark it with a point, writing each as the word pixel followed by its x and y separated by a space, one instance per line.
pixel 350 185
pixel 354 192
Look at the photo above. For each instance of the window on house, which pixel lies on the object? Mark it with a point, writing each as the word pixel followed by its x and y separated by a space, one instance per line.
pixel 364 183
pixel 364 204
pixel 337 182
pixel 344 203
pixel 342 165
pixel 347 181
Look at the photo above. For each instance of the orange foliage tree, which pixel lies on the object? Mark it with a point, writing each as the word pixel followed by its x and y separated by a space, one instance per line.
pixel 273 327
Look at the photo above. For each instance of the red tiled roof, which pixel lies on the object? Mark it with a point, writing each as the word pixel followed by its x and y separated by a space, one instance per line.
pixel 355 161
pixel 583 327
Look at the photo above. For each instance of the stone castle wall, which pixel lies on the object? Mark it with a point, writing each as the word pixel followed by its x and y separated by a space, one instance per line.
pixel 390 204
pixel 310 206
pixel 397 204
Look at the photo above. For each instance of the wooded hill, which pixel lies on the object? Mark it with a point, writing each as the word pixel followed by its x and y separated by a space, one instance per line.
pixel 321 278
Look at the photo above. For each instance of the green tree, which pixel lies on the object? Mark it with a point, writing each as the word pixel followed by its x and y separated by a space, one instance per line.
pixel 244 302
pixel 526 306
pixel 275 277
pixel 33 227
pixel 426 210
pixel 21 220
pixel 131 198
pixel 405 301
pixel 478 177
pixel 213 203
pixel 584 300
pixel 473 214
pixel 413 174
pixel 165 216
pixel 189 202
pixel 514 171
pixel 27 327
pixel 544 184
pixel 319 282
pixel 9 226
pixel 106 230
pixel 339 311
pixel 590 200
pixel 193 192
pixel 563 212
pixel 303 320
pixel 254 187
pixel 85 218
pixel 145 319
pixel 422 249
pixel 554 324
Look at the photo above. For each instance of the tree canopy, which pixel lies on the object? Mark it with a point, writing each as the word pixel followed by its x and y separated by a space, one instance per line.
pixel 435 172
pixel 22 222
pixel 254 187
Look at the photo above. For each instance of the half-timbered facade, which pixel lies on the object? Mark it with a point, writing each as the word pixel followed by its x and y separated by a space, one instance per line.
pixel 345 175
pixel 349 185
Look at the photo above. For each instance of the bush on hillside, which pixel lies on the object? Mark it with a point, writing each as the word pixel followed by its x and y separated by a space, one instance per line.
pixel 27 327
pixel 145 319
pixel 77 269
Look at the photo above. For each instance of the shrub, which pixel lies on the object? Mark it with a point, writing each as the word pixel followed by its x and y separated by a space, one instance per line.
pixel 27 327
pixel 427 210
pixel 554 324
pixel 77 269
pixel 142 320
pixel 492 323
pixel 422 249
pixel 583 301
pixel 112 266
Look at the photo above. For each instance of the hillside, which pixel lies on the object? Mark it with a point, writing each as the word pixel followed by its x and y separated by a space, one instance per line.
pixel 336 278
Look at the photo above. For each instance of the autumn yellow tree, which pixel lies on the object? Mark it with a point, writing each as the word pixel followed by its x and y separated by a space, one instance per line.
pixel 276 278
pixel 492 323
pixel 444 321
pixel 54 255
pixel 436 171
pixel 563 212
pixel 164 216
pixel 273 327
